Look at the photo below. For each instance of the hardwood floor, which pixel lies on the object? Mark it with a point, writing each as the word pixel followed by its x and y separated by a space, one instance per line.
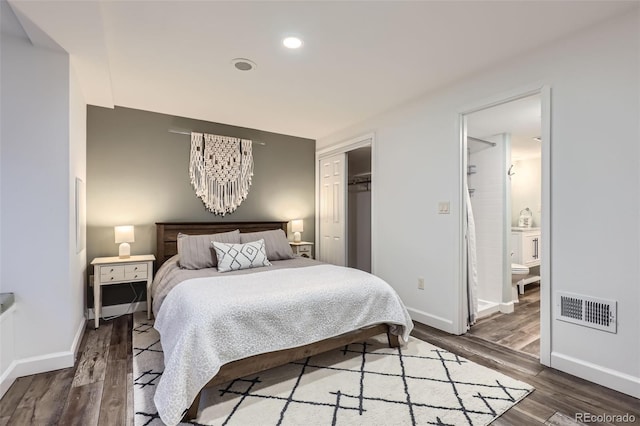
pixel 98 390
pixel 519 330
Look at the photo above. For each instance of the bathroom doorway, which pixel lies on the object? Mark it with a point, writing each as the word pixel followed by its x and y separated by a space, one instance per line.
pixel 503 156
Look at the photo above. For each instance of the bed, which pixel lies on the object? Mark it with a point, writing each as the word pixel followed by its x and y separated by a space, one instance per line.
pixel 216 327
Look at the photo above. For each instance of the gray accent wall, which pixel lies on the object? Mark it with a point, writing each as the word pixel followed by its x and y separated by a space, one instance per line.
pixel 138 174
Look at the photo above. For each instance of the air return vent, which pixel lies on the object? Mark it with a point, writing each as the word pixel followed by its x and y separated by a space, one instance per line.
pixel 587 311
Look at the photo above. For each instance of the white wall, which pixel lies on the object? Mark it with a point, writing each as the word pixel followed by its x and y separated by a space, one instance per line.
pixel 77 168
pixel 42 114
pixel 594 79
pixel 526 190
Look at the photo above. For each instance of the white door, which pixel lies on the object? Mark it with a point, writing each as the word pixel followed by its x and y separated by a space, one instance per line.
pixel 333 209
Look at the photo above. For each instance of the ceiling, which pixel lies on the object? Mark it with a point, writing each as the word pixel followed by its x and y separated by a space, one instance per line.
pixel 359 58
pixel 521 119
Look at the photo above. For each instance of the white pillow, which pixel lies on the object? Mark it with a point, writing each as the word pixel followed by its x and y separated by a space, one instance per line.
pixel 232 257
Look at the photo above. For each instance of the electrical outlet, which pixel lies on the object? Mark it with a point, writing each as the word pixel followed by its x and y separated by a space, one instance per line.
pixel 443 207
pixel 420 283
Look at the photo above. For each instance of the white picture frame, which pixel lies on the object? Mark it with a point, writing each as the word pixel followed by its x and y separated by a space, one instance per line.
pixel 81 215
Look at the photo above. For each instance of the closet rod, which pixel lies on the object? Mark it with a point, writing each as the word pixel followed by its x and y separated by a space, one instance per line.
pixel 481 140
pixel 186 132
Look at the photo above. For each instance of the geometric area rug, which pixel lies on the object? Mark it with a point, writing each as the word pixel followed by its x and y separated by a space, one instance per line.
pixel 361 384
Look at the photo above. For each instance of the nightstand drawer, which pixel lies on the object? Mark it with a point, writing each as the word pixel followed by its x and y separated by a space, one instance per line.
pixel 302 250
pixel 112 270
pixel 135 268
pixel 135 272
pixel 117 275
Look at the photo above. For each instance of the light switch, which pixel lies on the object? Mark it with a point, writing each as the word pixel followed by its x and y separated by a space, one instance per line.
pixel 443 207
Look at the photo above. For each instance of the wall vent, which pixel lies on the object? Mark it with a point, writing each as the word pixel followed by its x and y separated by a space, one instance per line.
pixel 588 311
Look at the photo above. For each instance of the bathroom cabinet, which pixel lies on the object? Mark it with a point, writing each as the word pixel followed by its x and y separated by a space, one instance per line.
pixel 526 246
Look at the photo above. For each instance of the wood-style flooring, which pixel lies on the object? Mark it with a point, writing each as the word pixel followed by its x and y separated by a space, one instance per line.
pixel 519 330
pixel 98 390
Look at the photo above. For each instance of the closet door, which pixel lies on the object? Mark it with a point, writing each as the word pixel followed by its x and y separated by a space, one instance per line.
pixel 333 209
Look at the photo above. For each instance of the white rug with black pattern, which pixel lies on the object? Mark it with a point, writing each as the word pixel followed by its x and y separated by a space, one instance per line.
pixel 361 384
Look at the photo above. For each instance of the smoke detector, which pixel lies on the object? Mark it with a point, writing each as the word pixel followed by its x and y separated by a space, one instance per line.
pixel 243 64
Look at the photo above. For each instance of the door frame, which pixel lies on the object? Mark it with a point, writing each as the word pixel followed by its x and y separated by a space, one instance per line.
pixel 545 259
pixel 367 139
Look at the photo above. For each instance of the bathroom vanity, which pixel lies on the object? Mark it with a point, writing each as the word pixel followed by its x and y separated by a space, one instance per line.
pixel 526 249
pixel 525 245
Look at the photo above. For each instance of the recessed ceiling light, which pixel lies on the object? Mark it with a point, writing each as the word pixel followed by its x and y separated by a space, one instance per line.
pixel 243 64
pixel 292 42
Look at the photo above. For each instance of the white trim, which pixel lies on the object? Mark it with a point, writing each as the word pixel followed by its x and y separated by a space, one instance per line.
pixel 607 377
pixel 545 255
pixel 432 320
pixel 507 308
pixel 117 310
pixel 346 146
pixel 42 363
pixel 78 337
pixel 545 270
pixel 367 139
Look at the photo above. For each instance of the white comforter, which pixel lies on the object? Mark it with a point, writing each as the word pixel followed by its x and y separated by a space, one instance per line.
pixel 205 323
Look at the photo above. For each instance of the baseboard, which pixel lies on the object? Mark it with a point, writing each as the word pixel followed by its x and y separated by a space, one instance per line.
pixel 78 338
pixel 42 363
pixel 432 320
pixel 607 377
pixel 117 310
pixel 35 365
pixel 507 308
pixel 486 308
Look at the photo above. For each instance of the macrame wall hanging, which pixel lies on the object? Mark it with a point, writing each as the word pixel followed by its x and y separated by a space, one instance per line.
pixel 221 169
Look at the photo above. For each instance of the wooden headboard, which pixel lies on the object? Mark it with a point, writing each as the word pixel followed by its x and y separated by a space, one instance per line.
pixel 167 233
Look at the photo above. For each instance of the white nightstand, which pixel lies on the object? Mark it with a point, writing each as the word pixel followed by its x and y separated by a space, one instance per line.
pixel 303 248
pixel 113 270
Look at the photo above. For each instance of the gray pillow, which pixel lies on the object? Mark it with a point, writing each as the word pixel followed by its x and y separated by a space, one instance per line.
pixel 196 251
pixel 275 241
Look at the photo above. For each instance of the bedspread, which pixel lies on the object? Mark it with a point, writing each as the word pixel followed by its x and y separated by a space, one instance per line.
pixel 205 323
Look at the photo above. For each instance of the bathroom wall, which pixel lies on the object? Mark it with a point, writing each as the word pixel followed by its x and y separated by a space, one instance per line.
pixel 526 189
pixel 488 203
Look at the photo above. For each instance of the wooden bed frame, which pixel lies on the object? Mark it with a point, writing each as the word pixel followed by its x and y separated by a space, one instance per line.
pixel 166 246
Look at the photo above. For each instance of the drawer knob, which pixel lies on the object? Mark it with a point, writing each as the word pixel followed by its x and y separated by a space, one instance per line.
pixel 111 278
pixel 111 270
pixel 135 276
pixel 135 269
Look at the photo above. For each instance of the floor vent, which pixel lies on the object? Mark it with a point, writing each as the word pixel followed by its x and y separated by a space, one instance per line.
pixel 587 311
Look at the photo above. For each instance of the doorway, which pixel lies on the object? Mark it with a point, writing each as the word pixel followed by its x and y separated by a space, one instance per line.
pixel 345 179
pixel 359 208
pixel 506 157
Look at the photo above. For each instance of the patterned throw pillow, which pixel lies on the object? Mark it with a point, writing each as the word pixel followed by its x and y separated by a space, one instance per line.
pixel 232 257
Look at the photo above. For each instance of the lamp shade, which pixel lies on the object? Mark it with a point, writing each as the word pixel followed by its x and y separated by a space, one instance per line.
pixel 296 225
pixel 124 234
pixel 296 228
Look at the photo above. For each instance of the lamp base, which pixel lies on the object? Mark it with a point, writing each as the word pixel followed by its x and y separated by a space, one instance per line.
pixel 124 251
pixel 296 237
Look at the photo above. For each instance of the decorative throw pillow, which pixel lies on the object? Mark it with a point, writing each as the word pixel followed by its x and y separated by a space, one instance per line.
pixel 232 257
pixel 196 251
pixel 276 243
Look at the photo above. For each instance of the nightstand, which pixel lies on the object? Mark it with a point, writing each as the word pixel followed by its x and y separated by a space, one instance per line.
pixel 303 249
pixel 113 270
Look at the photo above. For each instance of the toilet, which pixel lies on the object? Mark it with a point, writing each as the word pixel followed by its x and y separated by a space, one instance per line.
pixel 520 277
pixel 517 269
